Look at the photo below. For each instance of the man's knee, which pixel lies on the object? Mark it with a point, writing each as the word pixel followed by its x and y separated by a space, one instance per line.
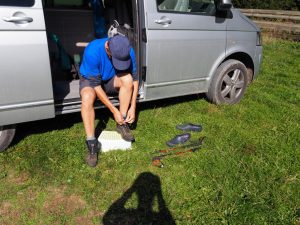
pixel 126 81
pixel 88 97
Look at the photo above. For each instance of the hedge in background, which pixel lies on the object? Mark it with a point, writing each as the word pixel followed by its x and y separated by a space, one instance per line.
pixel 268 4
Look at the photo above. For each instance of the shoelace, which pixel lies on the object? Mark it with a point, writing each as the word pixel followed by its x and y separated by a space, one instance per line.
pixel 94 149
pixel 126 125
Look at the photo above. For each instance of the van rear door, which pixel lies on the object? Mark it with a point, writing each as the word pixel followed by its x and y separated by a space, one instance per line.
pixel 185 42
pixel 25 78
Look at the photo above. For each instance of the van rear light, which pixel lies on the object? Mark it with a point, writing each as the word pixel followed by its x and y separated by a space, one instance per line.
pixel 258 39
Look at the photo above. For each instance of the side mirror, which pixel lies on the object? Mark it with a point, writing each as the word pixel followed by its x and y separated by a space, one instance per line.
pixel 223 5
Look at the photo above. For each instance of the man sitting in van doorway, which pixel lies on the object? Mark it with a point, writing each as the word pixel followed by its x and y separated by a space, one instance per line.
pixel 108 67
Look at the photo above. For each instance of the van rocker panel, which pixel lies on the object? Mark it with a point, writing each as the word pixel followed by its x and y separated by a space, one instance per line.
pixel 23 113
pixel 166 90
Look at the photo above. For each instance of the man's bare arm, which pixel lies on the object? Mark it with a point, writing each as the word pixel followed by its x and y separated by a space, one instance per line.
pixel 131 112
pixel 134 93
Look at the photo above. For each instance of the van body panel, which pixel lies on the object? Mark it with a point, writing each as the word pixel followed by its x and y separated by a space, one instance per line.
pixel 241 42
pixel 186 87
pixel 26 87
pixel 183 51
pixel 242 37
pixel 239 22
pixel 37 111
pixel 37 15
pixel 257 60
pixel 214 68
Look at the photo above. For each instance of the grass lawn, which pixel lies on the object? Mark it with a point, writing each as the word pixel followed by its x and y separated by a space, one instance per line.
pixel 248 171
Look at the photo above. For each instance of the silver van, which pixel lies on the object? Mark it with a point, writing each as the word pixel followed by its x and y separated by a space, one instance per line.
pixel 182 47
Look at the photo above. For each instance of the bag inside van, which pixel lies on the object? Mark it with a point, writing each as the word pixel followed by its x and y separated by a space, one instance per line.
pixel 71 25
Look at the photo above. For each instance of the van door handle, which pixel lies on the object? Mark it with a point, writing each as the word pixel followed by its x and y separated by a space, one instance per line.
pixel 15 19
pixel 164 21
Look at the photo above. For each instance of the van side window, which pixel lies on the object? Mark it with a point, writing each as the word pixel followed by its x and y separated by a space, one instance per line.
pixel 203 7
pixel 22 3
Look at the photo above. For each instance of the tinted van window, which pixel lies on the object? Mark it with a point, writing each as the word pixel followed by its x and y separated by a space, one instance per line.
pixel 66 3
pixel 22 3
pixel 205 7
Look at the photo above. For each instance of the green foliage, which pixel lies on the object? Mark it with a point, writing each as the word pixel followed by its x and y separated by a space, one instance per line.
pixel 268 4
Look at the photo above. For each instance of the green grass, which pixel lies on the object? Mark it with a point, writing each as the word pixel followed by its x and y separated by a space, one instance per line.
pixel 248 171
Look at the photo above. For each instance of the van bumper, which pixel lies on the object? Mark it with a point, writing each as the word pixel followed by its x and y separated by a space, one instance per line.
pixel 257 60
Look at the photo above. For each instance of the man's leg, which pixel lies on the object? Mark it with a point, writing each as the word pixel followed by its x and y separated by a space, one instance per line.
pixel 124 84
pixel 88 97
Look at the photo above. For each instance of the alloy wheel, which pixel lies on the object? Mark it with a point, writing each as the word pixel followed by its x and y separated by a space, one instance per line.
pixel 232 85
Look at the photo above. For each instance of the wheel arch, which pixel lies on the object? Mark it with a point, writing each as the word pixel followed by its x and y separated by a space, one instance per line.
pixel 241 56
pixel 7 134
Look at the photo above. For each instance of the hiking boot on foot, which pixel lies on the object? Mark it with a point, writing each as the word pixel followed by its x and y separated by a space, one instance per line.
pixel 92 155
pixel 125 132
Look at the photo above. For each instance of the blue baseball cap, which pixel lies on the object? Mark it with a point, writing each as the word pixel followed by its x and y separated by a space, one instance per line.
pixel 119 47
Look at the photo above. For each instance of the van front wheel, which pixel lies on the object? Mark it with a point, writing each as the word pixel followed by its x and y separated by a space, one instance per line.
pixel 229 83
pixel 7 134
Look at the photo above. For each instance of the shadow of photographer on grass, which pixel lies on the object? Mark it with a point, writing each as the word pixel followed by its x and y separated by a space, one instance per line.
pixel 147 188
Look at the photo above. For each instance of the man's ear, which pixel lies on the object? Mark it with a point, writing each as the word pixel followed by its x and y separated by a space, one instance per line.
pixel 106 46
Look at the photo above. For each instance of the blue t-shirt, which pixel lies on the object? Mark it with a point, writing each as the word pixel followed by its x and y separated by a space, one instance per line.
pixel 96 62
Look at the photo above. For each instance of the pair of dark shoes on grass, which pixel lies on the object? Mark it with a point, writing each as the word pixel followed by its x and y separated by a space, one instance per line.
pixel 94 146
pixel 182 138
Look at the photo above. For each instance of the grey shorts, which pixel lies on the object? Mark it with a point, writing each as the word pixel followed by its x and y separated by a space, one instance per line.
pixel 108 86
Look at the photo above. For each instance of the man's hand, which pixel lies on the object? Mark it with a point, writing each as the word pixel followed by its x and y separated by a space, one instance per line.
pixel 118 117
pixel 130 115
pixel 104 99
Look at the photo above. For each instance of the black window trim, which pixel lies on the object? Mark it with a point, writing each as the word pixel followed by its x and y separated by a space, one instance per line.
pixel 17 3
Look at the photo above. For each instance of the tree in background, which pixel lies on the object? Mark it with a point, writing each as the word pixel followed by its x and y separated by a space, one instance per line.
pixel 268 4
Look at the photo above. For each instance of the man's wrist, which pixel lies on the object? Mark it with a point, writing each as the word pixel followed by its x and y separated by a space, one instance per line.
pixel 133 105
pixel 114 110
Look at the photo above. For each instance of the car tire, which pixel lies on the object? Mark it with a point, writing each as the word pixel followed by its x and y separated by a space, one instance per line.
pixel 7 134
pixel 229 83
